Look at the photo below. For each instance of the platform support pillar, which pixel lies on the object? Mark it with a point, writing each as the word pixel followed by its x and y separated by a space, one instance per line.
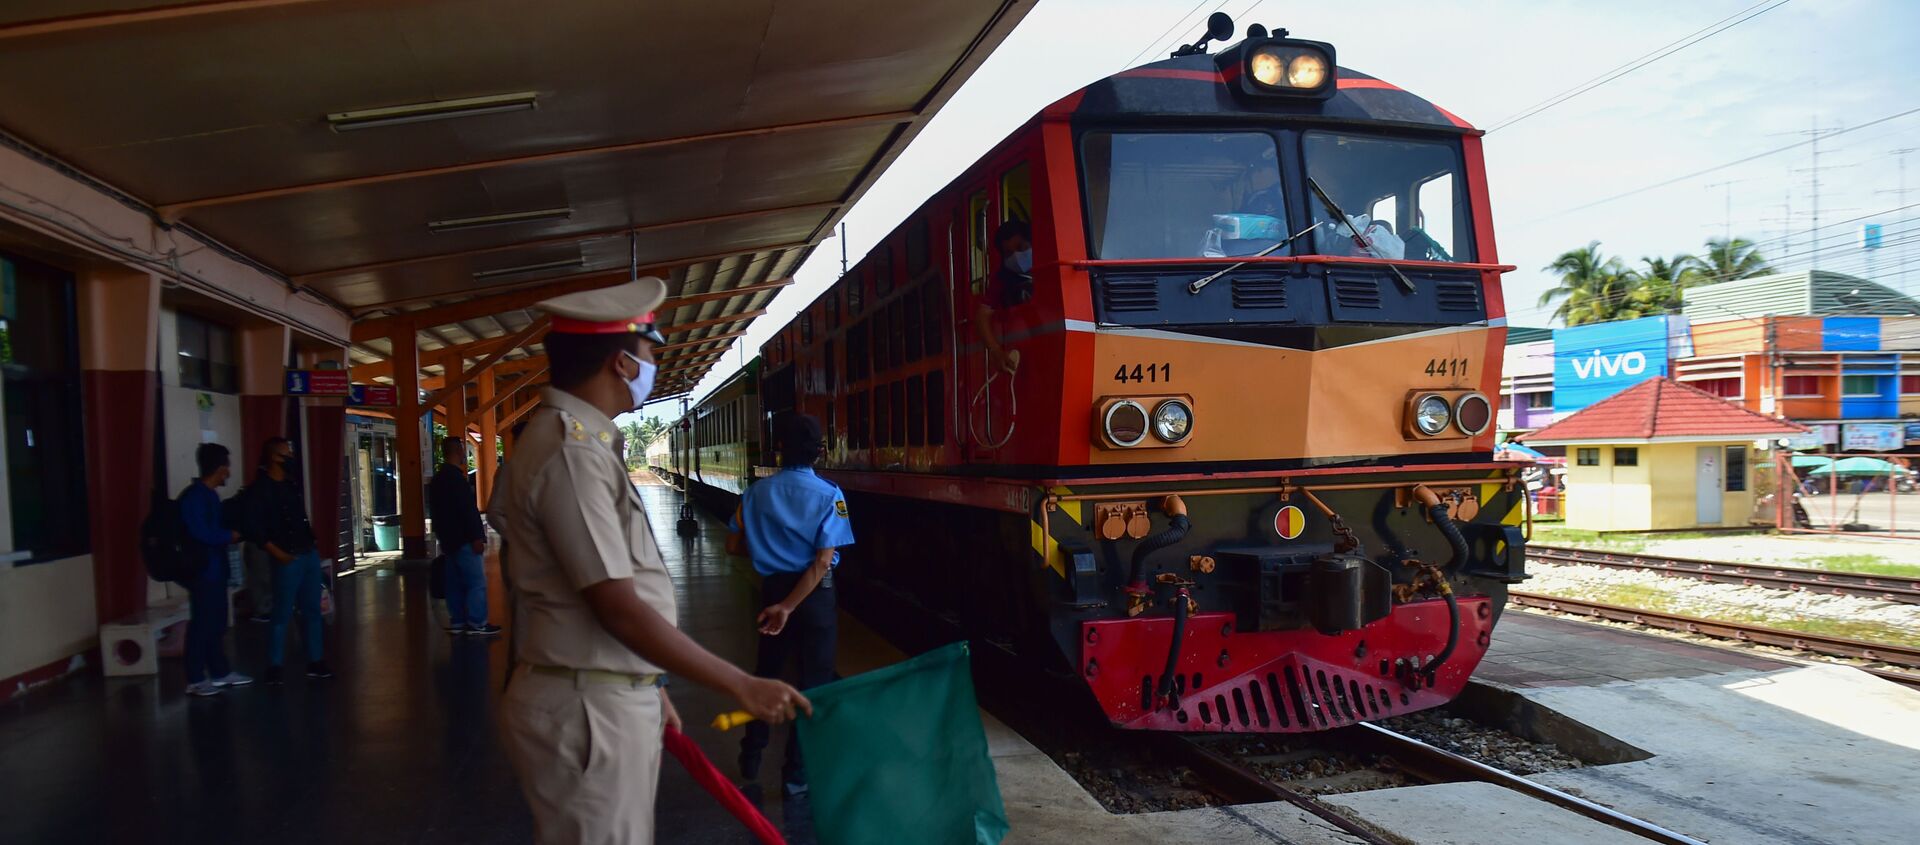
pixel 409 438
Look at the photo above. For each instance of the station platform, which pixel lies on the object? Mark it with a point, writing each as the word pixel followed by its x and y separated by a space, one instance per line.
pixel 1530 650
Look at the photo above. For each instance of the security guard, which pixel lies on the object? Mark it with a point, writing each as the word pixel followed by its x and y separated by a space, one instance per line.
pixel 583 714
pixel 793 523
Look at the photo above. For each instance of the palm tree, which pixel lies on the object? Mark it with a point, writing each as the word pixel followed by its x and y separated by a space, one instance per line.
pixel 1736 259
pixel 1593 288
pixel 1657 288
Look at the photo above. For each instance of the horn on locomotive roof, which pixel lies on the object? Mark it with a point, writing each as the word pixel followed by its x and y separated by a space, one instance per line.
pixel 1219 28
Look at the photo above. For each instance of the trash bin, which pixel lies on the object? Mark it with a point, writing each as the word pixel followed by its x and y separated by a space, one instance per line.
pixel 386 532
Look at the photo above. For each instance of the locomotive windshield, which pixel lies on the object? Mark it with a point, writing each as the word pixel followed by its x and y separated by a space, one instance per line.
pixel 1406 196
pixel 1224 194
pixel 1183 194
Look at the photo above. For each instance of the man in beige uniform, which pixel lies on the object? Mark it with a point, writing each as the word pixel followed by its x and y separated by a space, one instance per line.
pixel 583 714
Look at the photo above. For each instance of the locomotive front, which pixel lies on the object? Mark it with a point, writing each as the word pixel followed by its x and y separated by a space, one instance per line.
pixel 1282 513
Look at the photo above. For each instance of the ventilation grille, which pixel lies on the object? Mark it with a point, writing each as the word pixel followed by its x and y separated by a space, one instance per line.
pixel 1130 294
pixel 1259 293
pixel 1459 296
pixel 1356 293
pixel 1294 699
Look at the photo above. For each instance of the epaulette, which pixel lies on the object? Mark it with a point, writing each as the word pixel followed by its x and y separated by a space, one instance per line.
pixel 574 429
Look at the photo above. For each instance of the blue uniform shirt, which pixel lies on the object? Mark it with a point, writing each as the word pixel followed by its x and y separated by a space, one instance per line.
pixel 791 515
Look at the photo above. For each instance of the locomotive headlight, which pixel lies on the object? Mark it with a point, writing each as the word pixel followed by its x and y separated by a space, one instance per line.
pixel 1126 423
pixel 1431 415
pixel 1307 70
pixel 1266 67
pixel 1172 421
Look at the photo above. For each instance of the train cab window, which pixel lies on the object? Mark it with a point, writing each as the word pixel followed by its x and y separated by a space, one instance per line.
pixel 916 411
pixel 1016 194
pixel 1361 173
pixel 915 335
pixel 919 255
pixel 1182 194
pixel 979 229
pixel 936 407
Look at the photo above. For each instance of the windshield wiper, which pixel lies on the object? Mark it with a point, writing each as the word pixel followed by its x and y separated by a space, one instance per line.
pixel 1359 240
pixel 1197 284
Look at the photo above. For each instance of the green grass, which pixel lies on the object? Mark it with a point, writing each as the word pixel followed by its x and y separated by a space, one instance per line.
pixel 1866 564
pixel 1655 599
pixel 1583 539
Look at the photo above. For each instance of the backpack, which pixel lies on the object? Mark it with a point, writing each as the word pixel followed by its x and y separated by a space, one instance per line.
pixel 164 544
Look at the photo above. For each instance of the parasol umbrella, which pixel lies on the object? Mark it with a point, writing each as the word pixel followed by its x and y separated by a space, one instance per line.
pixel 1511 451
pixel 1859 465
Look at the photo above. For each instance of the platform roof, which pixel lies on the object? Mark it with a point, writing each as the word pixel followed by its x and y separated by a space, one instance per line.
pixel 714 143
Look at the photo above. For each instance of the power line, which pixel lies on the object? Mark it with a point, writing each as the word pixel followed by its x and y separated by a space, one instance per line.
pixel 1719 167
pixel 1148 50
pixel 1659 53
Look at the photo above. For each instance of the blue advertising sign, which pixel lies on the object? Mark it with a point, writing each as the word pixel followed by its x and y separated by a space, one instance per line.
pixel 1870 236
pixel 1595 361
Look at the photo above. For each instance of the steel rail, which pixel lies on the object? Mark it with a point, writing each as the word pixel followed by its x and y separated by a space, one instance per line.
pixel 1892 588
pixel 1902 656
pixel 1240 784
pixel 1438 765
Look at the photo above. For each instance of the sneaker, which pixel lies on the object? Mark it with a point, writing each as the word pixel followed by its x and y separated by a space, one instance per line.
pixel 271 676
pixel 794 789
pixel 487 630
pixel 750 765
pixel 232 679
pixel 318 669
pixel 456 630
pixel 260 617
pixel 203 688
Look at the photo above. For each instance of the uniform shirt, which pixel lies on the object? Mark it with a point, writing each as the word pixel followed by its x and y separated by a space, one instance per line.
pixel 574 519
pixel 790 516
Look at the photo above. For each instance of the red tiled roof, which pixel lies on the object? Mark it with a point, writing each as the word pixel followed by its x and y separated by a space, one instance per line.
pixel 1659 408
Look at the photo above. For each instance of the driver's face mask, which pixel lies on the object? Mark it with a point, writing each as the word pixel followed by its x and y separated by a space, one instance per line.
pixel 1021 261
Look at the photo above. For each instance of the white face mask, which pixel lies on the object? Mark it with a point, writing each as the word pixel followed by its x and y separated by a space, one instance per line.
pixel 642 382
pixel 1022 261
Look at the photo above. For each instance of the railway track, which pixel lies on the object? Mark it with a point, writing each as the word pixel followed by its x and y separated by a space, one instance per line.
pixel 1417 759
pixel 1902 657
pixel 1884 587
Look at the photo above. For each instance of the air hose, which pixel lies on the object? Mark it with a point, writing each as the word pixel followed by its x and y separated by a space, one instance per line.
pixel 1177 527
pixel 1165 690
pixel 1437 512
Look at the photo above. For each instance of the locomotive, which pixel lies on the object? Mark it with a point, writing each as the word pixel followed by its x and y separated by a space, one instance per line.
pixel 1180 389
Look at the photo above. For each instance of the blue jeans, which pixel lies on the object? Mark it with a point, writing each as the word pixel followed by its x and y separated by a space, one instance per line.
pixel 296 586
pixel 467 586
pixel 207 627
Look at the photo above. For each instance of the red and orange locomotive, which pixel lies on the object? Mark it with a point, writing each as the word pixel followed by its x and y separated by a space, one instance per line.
pixel 1220 444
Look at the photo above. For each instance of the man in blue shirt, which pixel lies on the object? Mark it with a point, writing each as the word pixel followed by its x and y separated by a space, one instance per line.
pixel 792 523
pixel 207 669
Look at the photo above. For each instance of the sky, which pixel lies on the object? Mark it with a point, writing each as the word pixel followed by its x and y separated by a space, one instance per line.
pixel 1758 86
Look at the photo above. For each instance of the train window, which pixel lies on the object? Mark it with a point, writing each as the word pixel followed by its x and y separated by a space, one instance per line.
pixel 1016 194
pixel 918 254
pixel 882 416
pixel 833 307
pixel 857 352
pixel 856 291
pixel 896 326
pixel 1183 194
pixel 937 407
pixel 806 327
pixel 1386 208
pixel 882 269
pixel 977 233
pixel 881 337
pixel 831 369
pixel 915 335
pixel 916 411
pixel 936 311
pixel 1437 207
pixel 1360 173
pixel 898 398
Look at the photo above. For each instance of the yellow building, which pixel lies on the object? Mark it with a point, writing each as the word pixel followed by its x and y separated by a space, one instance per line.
pixel 1659 455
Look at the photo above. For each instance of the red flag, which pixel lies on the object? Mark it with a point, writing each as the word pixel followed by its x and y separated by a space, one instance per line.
pixel 715 783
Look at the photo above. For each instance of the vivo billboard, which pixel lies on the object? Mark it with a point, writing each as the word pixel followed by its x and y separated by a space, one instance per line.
pixel 1595 361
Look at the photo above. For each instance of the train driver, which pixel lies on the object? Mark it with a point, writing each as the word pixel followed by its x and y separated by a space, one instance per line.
pixel 1012 285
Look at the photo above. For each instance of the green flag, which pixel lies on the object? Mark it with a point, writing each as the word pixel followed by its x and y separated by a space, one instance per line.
pixel 898 755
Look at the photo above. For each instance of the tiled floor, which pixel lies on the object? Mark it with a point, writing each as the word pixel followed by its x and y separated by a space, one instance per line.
pixel 401 747
pixel 1530 650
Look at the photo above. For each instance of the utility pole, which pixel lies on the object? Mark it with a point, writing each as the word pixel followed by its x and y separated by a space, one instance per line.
pixel 1900 193
pixel 1729 201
